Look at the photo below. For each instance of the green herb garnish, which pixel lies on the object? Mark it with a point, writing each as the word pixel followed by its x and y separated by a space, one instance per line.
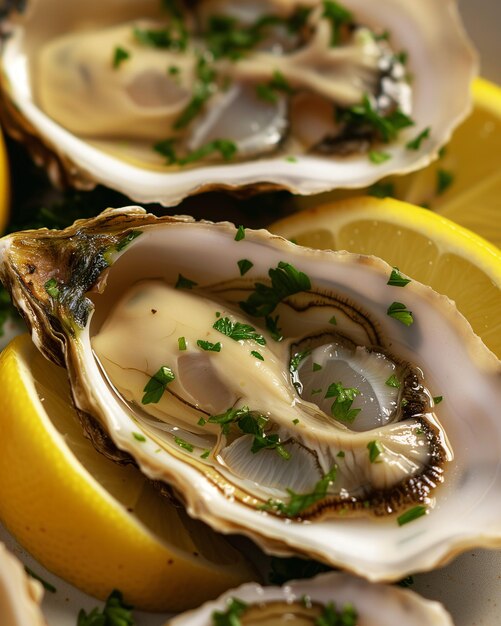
pixel 51 287
pixel 337 15
pixel 278 84
pixel 393 381
pixel 299 502
pixel 398 311
pixel 119 56
pixel 226 148
pixel 397 280
pixel 230 617
pixel 387 127
pixel 157 384
pixel 184 283
pixel 272 326
pixel 139 437
pixel 46 585
pixel 411 515
pixel 203 90
pixel 437 399
pixel 114 613
pixel 377 156
pixel 345 396
pixel 444 180
pixel 296 359
pixel 333 320
pixel 316 367
pixel 175 38
pixel 415 143
pixel 286 280
pixel 173 70
pixel 375 449
pixel 341 454
pixel 240 233
pixel 382 190
pixel 181 342
pixel 257 354
pixel 165 147
pixel 238 331
pixel 244 265
pixel 183 444
pixel 209 346
pixel 125 241
pixel 205 454
pixel 347 616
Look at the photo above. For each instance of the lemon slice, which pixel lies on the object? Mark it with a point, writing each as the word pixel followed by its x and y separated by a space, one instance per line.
pixel 4 185
pixel 96 524
pixel 422 244
pixel 471 163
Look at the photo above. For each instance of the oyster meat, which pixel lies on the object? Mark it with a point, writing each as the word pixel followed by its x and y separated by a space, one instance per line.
pixel 333 597
pixel 214 84
pixel 285 393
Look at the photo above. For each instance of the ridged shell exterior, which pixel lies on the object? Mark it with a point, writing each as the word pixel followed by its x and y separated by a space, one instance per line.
pixel 466 511
pixel 441 62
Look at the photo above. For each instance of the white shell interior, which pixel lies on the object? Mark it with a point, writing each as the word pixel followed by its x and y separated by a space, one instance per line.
pixel 376 605
pixel 467 509
pixel 440 59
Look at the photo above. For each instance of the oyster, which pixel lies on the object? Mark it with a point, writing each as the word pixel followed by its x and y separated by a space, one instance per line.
pixel 326 443
pixel 20 595
pixel 92 89
pixel 304 602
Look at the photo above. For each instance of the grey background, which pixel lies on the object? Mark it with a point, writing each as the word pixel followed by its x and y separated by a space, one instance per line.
pixel 483 23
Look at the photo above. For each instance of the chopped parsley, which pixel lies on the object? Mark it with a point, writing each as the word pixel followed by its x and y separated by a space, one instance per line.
pixel 347 616
pixel 337 15
pixel 226 148
pixel 398 311
pixel 257 355
pixel 333 320
pixel 397 280
pixel 382 190
pixel 345 396
pixel 444 180
pixel 174 38
pixel 139 437
pixel 183 444
pixel 296 359
pixel 295 421
pixel 157 384
pixel 437 399
pixel 209 346
pixel 126 240
pixel 238 331
pixel 316 367
pixel 377 156
pixel 184 283
pixel 393 381
pixel 387 127
pixel 202 421
pixel 230 617
pixel 286 280
pixel 173 70
pixel 52 288
pixel 114 613
pixel 240 233
pixel 341 454
pixel 278 84
pixel 272 326
pixel 119 56
pixel 205 454
pixel 181 342
pixel 291 159
pixel 203 90
pixel 415 143
pixel 411 515
pixel 165 147
pixel 314 392
pixel 299 502
pixel 375 449
pixel 244 265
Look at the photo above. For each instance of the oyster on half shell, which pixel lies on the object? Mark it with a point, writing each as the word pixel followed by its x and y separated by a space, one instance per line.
pixel 91 122
pixel 304 602
pixel 327 442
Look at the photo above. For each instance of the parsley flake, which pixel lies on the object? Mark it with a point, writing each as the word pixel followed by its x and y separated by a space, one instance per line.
pixel 119 56
pixel 341 454
pixel 375 449
pixel 238 331
pixel 398 311
pixel 397 280
pixel 273 329
pixel 316 367
pixel 183 444
pixel 257 354
pixel 51 287
pixel 299 502
pixel 437 399
pixel 205 454
pixel 286 281
pixel 387 127
pixel 411 515
pixel 157 384
pixel 184 283
pixel 415 143
pixel 382 190
pixel 139 437
pixel 345 396
pixel 181 342
pixel 347 616
pixel 377 156
pixel 114 613
pixel 231 616
pixel 393 381
pixel 444 180
pixel 244 265
pixel 209 346
pixel 240 233
pixel 333 320
pixel 337 15
pixel 296 359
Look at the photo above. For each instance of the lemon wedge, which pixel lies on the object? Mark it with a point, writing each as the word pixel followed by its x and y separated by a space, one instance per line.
pixel 424 245
pixel 98 525
pixel 464 184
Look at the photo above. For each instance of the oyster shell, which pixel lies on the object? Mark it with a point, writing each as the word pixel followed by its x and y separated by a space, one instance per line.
pixel 440 59
pixel 20 595
pixel 302 602
pixel 241 438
